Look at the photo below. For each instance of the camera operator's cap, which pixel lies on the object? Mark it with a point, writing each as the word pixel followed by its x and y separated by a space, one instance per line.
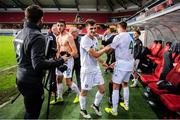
pixel 73 29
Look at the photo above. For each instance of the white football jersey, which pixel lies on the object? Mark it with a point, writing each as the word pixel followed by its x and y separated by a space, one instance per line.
pixel 123 45
pixel 88 62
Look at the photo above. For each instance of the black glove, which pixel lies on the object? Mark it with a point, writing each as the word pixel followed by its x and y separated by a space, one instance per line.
pixel 103 42
pixel 62 53
pixel 60 61
pixel 62 68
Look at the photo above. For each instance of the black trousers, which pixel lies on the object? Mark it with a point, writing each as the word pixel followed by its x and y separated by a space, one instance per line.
pixel 33 98
pixel 77 68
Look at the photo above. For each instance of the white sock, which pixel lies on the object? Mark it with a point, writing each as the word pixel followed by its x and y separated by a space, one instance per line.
pixel 82 102
pixel 75 88
pixel 126 96
pixel 59 90
pixel 98 98
pixel 135 81
pixel 115 100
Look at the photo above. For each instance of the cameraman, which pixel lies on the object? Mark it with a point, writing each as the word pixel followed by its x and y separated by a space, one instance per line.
pixel 30 55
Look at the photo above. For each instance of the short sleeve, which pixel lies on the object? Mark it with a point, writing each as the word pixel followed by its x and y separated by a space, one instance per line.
pixel 86 43
pixel 115 42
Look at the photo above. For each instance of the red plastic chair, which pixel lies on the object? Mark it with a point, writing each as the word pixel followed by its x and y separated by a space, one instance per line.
pixel 148 78
pixel 171 101
pixel 173 77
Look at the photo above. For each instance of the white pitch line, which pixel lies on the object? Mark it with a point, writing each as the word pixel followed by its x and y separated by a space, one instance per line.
pixel 4 104
pixel 8 68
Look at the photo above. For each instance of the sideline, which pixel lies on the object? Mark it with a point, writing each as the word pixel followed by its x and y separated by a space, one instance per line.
pixel 4 104
pixel 8 68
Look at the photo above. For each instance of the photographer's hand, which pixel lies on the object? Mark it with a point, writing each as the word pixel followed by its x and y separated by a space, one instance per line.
pixel 65 58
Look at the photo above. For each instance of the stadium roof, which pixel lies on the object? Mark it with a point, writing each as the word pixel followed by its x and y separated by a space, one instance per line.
pixel 92 6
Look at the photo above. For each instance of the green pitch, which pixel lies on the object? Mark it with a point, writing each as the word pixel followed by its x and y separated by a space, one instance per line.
pixel 7 59
pixel 7 54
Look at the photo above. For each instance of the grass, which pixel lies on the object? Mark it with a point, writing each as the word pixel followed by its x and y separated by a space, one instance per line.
pixel 7 54
pixel 7 59
pixel 139 108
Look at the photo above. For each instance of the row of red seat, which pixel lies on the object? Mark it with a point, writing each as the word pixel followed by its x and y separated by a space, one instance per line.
pixel 168 97
pixel 170 100
pixel 157 51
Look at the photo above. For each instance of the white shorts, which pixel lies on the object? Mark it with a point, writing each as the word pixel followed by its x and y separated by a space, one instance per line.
pixel 68 72
pixel 120 76
pixel 90 79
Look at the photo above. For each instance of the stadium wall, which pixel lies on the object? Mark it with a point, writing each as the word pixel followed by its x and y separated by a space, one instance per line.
pixel 17 17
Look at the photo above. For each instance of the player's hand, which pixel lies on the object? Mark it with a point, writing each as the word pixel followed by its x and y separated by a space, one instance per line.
pixel 65 58
pixel 101 47
pixel 104 64
pixel 112 65
pixel 76 56
pixel 106 49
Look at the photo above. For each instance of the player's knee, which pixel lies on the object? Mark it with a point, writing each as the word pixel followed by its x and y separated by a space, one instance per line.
pixel 83 93
pixel 68 82
pixel 102 90
pixel 125 84
pixel 59 79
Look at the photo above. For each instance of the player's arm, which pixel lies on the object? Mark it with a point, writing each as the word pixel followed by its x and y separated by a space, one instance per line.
pixel 58 49
pixel 72 44
pixel 109 48
pixel 102 62
pixel 96 54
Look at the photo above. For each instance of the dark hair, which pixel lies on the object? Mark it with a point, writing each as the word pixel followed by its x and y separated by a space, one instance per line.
pixel 90 22
pixel 61 21
pixel 138 32
pixel 33 13
pixel 123 25
pixel 112 30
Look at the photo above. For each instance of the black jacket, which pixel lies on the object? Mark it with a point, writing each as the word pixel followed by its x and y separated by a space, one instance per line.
pixel 137 48
pixel 77 59
pixel 30 47
pixel 107 42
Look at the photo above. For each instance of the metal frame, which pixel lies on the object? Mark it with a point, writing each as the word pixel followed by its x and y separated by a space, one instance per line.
pixel 3 5
pixel 110 4
pixel 37 2
pixel 58 5
pixel 19 4
pixel 122 4
pixel 77 4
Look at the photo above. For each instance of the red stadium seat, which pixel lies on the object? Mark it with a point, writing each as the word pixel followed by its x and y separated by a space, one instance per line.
pixel 148 78
pixel 154 89
pixel 153 45
pixel 176 60
pixel 171 101
pixel 173 77
pixel 155 50
pixel 159 58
